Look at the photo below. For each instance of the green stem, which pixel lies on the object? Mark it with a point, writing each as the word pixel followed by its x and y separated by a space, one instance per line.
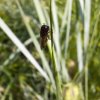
pixel 56 73
pixel 86 82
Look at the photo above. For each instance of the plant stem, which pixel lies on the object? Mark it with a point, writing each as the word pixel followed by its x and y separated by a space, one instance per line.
pixel 86 82
pixel 56 73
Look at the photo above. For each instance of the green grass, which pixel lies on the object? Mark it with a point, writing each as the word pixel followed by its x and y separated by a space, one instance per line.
pixel 70 61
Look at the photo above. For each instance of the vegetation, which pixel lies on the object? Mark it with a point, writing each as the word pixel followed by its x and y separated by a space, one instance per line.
pixel 67 68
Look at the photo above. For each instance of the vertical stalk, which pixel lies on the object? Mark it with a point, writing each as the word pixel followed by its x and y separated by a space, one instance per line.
pixel 56 73
pixel 51 25
pixel 86 82
pixel 87 16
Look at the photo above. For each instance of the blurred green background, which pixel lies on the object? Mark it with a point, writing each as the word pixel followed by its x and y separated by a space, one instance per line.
pixel 76 29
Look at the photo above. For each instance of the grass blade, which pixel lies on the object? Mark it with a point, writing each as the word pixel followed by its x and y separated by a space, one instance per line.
pixel 22 48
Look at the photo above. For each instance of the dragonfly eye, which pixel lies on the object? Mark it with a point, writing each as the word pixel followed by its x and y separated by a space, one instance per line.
pixel 44 30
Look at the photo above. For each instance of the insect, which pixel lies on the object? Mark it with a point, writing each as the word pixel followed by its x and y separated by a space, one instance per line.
pixel 44 35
